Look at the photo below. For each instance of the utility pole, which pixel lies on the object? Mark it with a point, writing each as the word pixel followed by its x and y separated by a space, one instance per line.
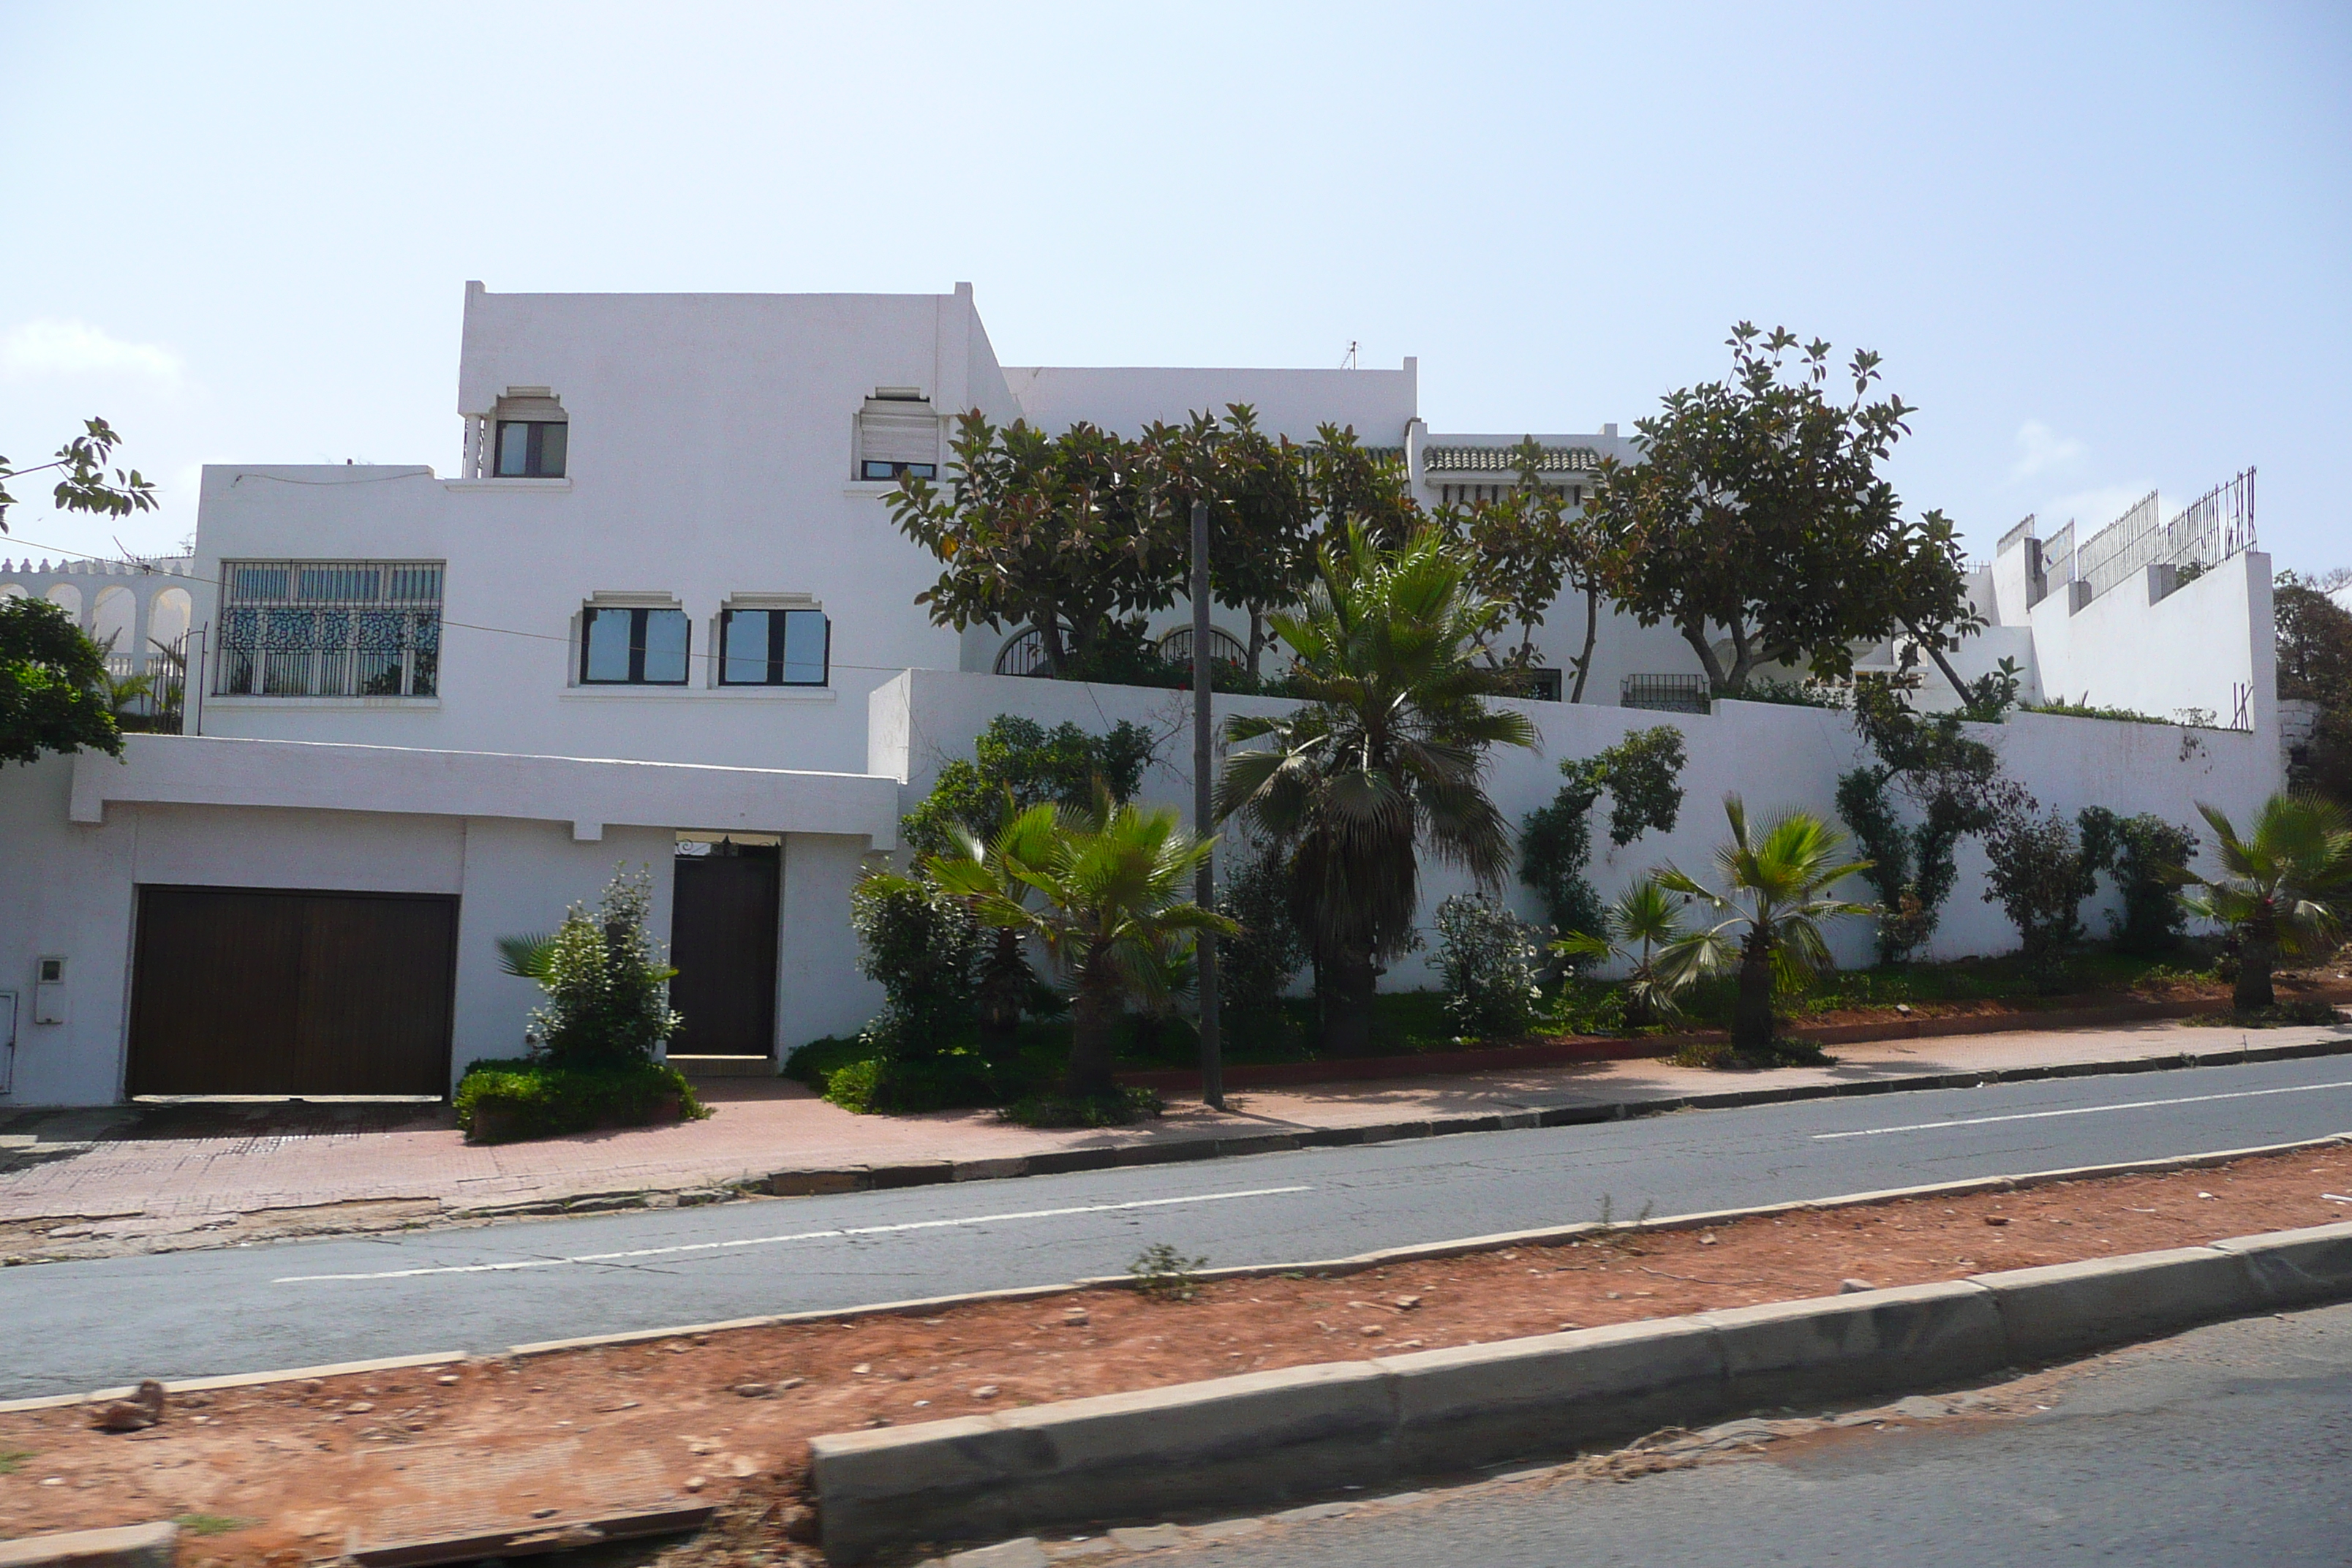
pixel 1213 1065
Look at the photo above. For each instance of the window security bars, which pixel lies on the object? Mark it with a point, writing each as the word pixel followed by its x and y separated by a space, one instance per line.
pixel 331 628
pixel 1024 655
pixel 774 647
pixel 1665 693
pixel 1224 647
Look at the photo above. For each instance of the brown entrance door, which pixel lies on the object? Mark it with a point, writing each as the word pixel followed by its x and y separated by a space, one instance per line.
pixel 257 991
pixel 723 945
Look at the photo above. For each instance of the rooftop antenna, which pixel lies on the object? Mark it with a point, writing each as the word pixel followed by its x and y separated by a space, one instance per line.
pixel 1349 363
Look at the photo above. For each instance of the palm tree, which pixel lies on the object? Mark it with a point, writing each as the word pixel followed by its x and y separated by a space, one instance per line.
pixel 1644 919
pixel 1111 917
pixel 1390 751
pixel 1021 838
pixel 1775 896
pixel 2276 885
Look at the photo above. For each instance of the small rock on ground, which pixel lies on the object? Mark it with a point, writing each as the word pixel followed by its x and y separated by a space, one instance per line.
pixel 1919 1407
pixel 1147 1538
pixel 1023 1552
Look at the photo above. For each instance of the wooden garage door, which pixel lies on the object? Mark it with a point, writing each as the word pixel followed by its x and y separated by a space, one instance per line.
pixel 252 991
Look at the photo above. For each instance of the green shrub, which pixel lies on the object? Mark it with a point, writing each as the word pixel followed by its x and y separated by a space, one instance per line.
pixel 499 1102
pixel 878 1085
pixel 607 989
pixel 1036 765
pixel 1257 964
pixel 1120 1110
pixel 1642 775
pixel 2146 855
pixel 921 946
pixel 1489 959
pixel 2038 877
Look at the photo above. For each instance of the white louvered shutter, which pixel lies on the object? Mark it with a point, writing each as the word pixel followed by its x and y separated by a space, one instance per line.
pixel 893 430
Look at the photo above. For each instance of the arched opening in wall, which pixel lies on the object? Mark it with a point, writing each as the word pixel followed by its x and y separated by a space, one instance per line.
pixel 12 591
pixel 168 619
pixel 66 597
pixel 114 626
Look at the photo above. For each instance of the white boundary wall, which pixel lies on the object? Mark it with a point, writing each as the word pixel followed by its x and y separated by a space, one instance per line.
pixel 1777 757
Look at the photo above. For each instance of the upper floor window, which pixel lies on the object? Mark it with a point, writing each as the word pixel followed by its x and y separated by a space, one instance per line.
pixel 897 433
pixel 775 647
pixel 532 433
pixel 633 644
pixel 329 628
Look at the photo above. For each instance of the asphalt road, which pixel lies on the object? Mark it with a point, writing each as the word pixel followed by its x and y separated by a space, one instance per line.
pixel 70 1327
pixel 2225 1446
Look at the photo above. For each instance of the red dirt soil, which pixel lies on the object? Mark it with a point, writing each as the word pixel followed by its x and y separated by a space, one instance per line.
pixel 294 1472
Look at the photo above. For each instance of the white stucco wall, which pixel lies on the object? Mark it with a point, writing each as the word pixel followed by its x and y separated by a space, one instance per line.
pixel 1777 758
pixel 517 838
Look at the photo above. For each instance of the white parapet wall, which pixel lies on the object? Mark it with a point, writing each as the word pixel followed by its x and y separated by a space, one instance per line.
pixel 1777 757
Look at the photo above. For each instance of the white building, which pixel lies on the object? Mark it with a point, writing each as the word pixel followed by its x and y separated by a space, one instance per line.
pixel 660 616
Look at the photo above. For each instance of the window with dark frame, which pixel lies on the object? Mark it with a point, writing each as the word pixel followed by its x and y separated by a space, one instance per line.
pixel 629 645
pixel 531 448
pixel 774 647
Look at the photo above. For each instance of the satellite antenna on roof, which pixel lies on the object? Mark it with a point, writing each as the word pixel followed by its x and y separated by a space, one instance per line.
pixel 1349 363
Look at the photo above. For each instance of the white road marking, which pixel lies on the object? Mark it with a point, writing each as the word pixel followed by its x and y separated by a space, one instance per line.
pixel 796 1235
pixel 2079 1111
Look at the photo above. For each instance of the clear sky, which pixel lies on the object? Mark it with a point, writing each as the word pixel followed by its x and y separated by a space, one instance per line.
pixel 2105 248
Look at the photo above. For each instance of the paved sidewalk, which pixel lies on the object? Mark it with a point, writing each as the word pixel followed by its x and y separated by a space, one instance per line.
pixel 142 1175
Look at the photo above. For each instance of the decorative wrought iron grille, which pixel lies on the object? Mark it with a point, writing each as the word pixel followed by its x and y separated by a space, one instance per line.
pixel 1665 694
pixel 331 628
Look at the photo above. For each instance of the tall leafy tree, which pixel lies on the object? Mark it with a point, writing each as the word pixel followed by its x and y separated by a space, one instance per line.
pixel 1759 526
pixel 1386 756
pixel 2314 664
pixel 1528 546
pixel 1261 524
pixel 54 691
pixel 1050 532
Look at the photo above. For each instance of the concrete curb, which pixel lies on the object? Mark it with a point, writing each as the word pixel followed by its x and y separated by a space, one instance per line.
pixel 2284 1269
pixel 1060 1162
pixel 1272 1436
pixel 127 1546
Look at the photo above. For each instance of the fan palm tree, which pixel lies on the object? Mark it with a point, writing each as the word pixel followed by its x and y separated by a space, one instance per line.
pixel 1111 917
pixel 1388 753
pixel 2277 886
pixel 1646 918
pixel 1774 898
pixel 1021 838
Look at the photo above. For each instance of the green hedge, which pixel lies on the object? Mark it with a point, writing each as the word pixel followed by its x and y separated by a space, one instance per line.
pixel 499 1101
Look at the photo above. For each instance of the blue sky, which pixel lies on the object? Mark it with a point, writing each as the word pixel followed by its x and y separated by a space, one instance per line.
pixel 2105 248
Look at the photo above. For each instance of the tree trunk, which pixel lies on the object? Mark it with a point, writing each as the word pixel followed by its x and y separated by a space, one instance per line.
pixel 1344 986
pixel 2257 955
pixel 1094 1032
pixel 1696 635
pixel 1751 1014
pixel 1257 638
pixel 1592 634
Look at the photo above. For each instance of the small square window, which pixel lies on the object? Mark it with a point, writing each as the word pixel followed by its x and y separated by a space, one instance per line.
pixel 631 647
pixel 878 468
pixel 774 647
pixel 531 448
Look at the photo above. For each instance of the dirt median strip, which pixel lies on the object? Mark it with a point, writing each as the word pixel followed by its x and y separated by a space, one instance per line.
pixel 1275 1436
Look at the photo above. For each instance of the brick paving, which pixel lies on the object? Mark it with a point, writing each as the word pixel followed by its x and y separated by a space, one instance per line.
pixel 129 1171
